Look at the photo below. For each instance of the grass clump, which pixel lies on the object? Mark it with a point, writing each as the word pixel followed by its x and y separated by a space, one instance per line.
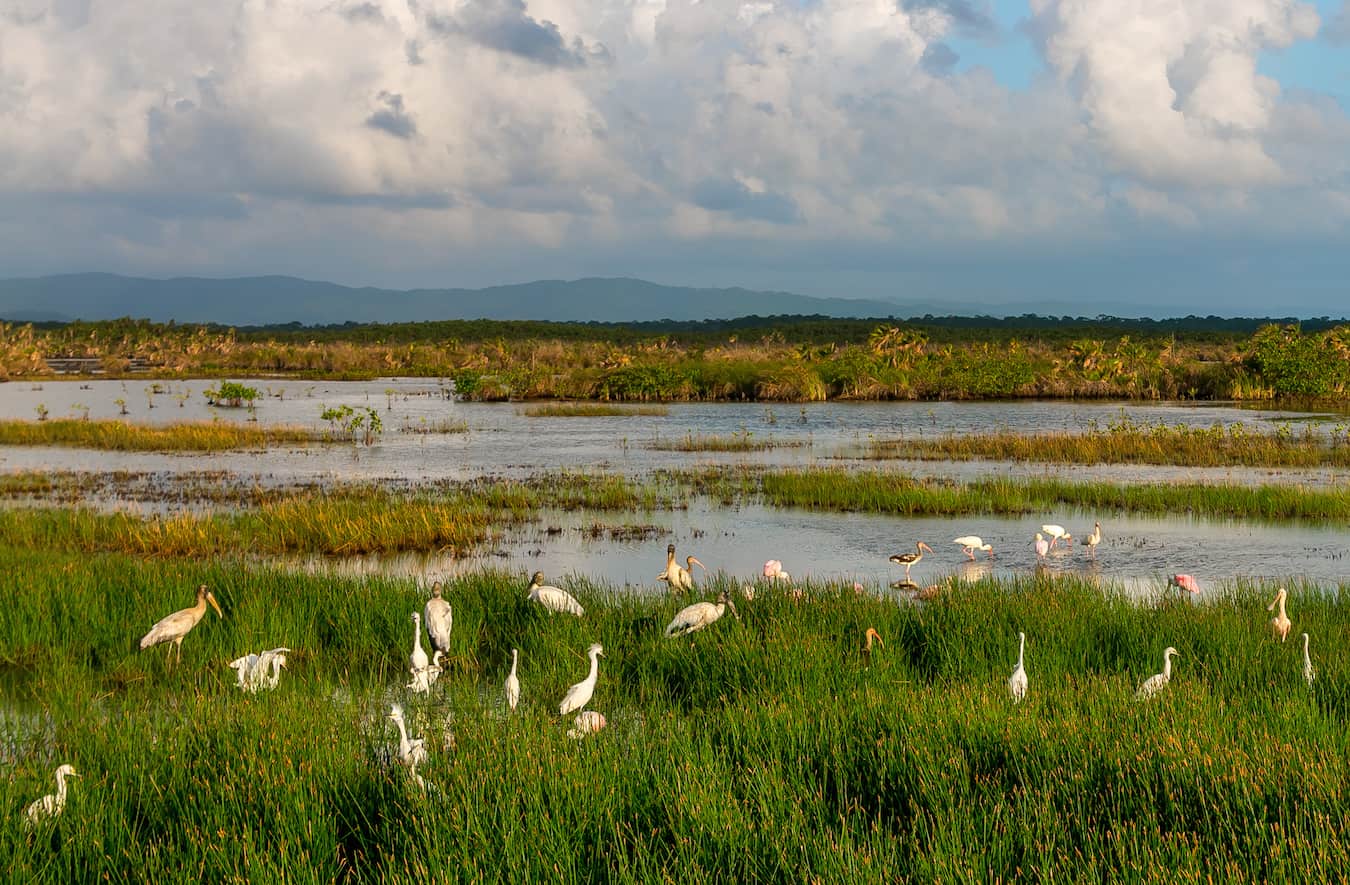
pixel 111 435
pixel 743 441
pixel 592 410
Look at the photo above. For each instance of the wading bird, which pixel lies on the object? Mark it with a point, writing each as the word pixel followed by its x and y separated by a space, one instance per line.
pixel 1184 582
pixel 1280 624
pixel 418 660
pixel 411 753
pixel 1042 546
pixel 1017 682
pixel 1157 682
pixel 52 804
pixel 177 625
pixel 275 659
pixel 554 599
pixel 422 679
pixel 971 543
pixel 1057 533
pixel 578 695
pixel 1309 674
pixel 439 618
pixel 512 683
pixel 773 570
pixel 695 617
pixel 252 670
pixel 909 560
pixel 587 722
pixel 244 668
pixel 869 636
pixel 679 577
pixel 1092 540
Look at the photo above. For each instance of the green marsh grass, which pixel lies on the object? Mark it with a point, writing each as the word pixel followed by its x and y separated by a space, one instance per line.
pixel 111 435
pixel 744 441
pixel 591 410
pixel 761 749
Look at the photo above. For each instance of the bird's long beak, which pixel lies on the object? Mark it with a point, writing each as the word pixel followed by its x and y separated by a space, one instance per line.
pixel 925 546
pixel 697 563
pixel 215 605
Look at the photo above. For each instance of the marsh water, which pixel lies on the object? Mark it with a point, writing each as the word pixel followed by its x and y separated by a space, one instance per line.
pixel 503 440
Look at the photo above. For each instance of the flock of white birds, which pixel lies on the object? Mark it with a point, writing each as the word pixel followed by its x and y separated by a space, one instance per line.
pixel 256 672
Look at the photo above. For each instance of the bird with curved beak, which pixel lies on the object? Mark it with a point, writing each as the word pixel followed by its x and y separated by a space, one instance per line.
pixel 909 560
pixel 679 577
pixel 869 636
pixel 695 617
pixel 174 627
pixel 1280 624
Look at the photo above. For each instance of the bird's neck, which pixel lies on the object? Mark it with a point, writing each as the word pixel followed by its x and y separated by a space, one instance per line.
pixel 402 732
pixel 513 663
pixel 1021 650
pixel 1167 666
pixel 61 788
pixel 595 666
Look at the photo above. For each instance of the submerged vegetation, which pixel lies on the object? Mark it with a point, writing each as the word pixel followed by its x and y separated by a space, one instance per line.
pixel 765 748
pixel 112 435
pixel 744 441
pixel 590 410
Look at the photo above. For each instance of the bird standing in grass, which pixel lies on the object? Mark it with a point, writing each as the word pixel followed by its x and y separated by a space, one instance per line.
pixel 52 804
pixel 411 752
pixel 1280 624
pixel 554 599
pixel 1092 540
pixel 580 694
pixel 1309 674
pixel 679 577
pixel 1017 682
pixel 440 618
pixel 512 683
pixel 587 722
pixel 773 571
pixel 418 660
pixel 909 560
pixel 695 617
pixel 971 543
pixel 177 625
pixel 869 636
pixel 1156 683
pixel 1184 582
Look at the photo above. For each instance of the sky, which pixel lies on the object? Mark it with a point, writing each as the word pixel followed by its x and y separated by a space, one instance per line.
pixel 1126 157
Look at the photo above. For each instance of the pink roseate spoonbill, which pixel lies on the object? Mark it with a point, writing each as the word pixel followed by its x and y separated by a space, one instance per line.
pixel 1184 582
pixel 773 570
pixel 1042 546
pixel 1156 683
pixel 580 694
pixel 174 627
pixel 1309 674
pixel 1280 624
pixel 971 543
pixel 869 636
pixel 587 722
pixel 1057 533
pixel 554 599
pixel 1017 682
pixel 440 618
pixel 693 618
pixel 1092 540
pixel 679 577
pixel 909 560
pixel 52 804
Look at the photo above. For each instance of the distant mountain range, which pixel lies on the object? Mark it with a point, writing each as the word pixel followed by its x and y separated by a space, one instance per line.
pixel 254 301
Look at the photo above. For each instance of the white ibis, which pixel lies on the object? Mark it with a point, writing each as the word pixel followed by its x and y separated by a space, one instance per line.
pixel 869 636
pixel 909 560
pixel 679 577
pixel 695 617
pixel 174 627
pixel 52 804
pixel 1092 540
pixel 1057 533
pixel 411 752
pixel 587 722
pixel 554 599
pixel 1309 674
pixel 971 543
pixel 418 660
pixel 439 619
pixel 1042 546
pixel 580 694
pixel 1156 683
pixel 1017 682
pixel 512 683
pixel 1280 624
pixel 1184 582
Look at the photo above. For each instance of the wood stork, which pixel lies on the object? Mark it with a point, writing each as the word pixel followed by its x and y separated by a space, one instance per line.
pixel 695 617
pixel 513 683
pixel 1184 582
pixel 52 804
pixel 679 577
pixel 411 752
pixel 439 618
pixel 1056 534
pixel 554 599
pixel 174 627
pixel 1042 546
pixel 418 660
pixel 1280 624
pixel 1309 674
pixel 971 543
pixel 580 694
pixel 587 722
pixel 1017 682
pixel 870 635
pixel 909 560
pixel 1156 683
pixel 1092 540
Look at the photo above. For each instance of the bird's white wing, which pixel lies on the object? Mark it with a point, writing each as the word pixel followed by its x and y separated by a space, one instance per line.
pixel 690 618
pixel 169 628
pixel 440 618
pixel 557 600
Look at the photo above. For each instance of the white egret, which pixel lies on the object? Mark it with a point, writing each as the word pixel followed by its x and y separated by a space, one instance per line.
pixel 174 627
pixel 1057 533
pixel 1157 682
pixel 1309 674
pixel 244 667
pixel 1017 682
pixel 587 722
pixel 869 636
pixel 276 659
pixel 439 619
pixel 410 752
pixel 554 599
pixel 1042 546
pixel 512 684
pixel 679 577
pixel 418 660
pixel 1092 540
pixel 1280 624
pixel 52 804
pixel 909 560
pixel 252 670
pixel 578 695
pixel 971 543
pixel 699 615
